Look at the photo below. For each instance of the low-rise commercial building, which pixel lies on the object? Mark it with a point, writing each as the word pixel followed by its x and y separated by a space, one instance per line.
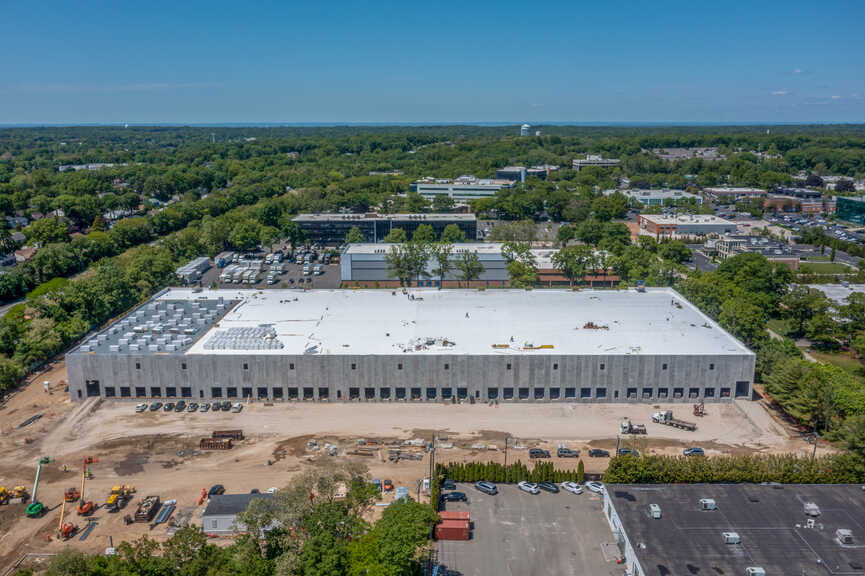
pixel 804 200
pixel 463 188
pixel 684 225
pixel 594 160
pixel 738 529
pixel 365 266
pixel 851 209
pixel 726 194
pixel 774 251
pixel 331 229
pixel 520 173
pixel 660 197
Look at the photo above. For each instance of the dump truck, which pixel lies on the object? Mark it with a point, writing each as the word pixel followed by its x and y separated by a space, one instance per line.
pixel 628 427
pixel 666 418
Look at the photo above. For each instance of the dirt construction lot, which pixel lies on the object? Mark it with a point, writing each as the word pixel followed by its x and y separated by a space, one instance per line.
pixel 157 452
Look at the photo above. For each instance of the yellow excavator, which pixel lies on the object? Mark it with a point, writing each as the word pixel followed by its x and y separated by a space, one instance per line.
pixel 4 494
pixel 118 498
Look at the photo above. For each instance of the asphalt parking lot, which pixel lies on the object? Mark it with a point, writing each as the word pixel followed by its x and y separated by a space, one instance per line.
pixel 520 534
pixel 292 277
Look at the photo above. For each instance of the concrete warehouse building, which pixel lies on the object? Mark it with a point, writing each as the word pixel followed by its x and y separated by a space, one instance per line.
pixel 365 266
pixel 417 344
pixel 333 228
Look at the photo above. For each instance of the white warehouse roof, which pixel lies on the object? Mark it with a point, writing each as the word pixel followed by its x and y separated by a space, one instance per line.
pixel 429 321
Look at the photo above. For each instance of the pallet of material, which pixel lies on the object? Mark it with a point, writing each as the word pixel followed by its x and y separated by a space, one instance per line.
pixel 215 444
pixel 233 434
pixel 146 509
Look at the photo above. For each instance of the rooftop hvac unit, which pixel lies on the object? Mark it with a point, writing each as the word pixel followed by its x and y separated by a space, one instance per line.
pixel 731 538
pixel 844 536
pixel 811 509
pixel 707 504
pixel 754 571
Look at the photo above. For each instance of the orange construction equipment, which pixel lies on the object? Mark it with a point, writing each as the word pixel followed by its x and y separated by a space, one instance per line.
pixel 71 495
pixel 85 508
pixel 203 496
pixel 700 409
pixel 65 531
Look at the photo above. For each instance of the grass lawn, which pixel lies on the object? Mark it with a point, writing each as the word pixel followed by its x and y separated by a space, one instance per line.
pixel 823 268
pixel 840 359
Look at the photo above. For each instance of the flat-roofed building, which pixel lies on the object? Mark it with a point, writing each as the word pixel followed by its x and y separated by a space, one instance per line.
pixel 333 228
pixel 774 251
pixel 414 344
pixel 659 197
pixel 365 266
pixel 594 160
pixel 726 193
pixel 463 188
pixel 684 225
pixel 738 529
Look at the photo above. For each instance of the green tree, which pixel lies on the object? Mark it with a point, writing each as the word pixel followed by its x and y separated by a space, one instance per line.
pixel 396 236
pixel 47 230
pixel 470 267
pixel 452 234
pixel 574 262
pixel 800 305
pixel 521 264
pixel 442 253
pixel 99 224
pixel 354 236
pixel 442 203
pixel 424 233
pixel 245 235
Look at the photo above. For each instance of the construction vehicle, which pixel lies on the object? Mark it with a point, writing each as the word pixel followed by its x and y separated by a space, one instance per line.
pixel 666 418
pixel 4 495
pixel 19 492
pixel 85 507
pixel 628 427
pixel 65 531
pixel 700 409
pixel 71 494
pixel 35 509
pixel 118 498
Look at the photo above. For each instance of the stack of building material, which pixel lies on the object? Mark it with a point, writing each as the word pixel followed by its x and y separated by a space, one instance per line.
pixel 215 444
pixel 454 525
pixel 233 434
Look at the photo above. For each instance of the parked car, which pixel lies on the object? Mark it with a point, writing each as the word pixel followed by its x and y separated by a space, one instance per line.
pixel 486 487
pixel 192 407
pixel 204 407
pixel 693 452
pixel 216 490
pixel 627 451
pixel 567 453
pixel 168 407
pixel 225 405
pixel 529 487
pixel 377 483
pixel 139 408
pixel 549 487
pixel 180 406
pixel 236 407
pixel 155 406
pixel 448 484
pixel 596 487
pixel 388 485
pixel 572 487
pixel 455 497
pixel 215 406
pixel 598 453
pixel 538 453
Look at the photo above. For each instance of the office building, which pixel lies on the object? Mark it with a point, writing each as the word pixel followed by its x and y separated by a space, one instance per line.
pixel 732 194
pixel 738 529
pixel 415 345
pixel 525 130
pixel 331 229
pixel 464 188
pixel 684 225
pixel 520 173
pixel 594 160
pixel 774 251
pixel 660 197
pixel 365 266
pixel 851 209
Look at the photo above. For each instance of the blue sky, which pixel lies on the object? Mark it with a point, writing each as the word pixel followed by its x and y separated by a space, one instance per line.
pixel 571 61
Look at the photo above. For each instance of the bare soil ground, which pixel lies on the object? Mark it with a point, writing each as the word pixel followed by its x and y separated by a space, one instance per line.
pixel 157 452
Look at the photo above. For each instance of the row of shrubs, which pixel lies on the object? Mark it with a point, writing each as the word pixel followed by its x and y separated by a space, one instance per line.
pixel 510 474
pixel 841 468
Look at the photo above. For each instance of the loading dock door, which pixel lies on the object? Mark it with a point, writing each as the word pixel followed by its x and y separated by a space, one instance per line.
pixel 743 389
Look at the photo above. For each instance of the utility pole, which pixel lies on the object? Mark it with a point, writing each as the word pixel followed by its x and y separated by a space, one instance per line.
pixel 506 450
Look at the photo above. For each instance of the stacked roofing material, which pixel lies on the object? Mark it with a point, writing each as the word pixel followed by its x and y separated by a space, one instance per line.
pixel 454 525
